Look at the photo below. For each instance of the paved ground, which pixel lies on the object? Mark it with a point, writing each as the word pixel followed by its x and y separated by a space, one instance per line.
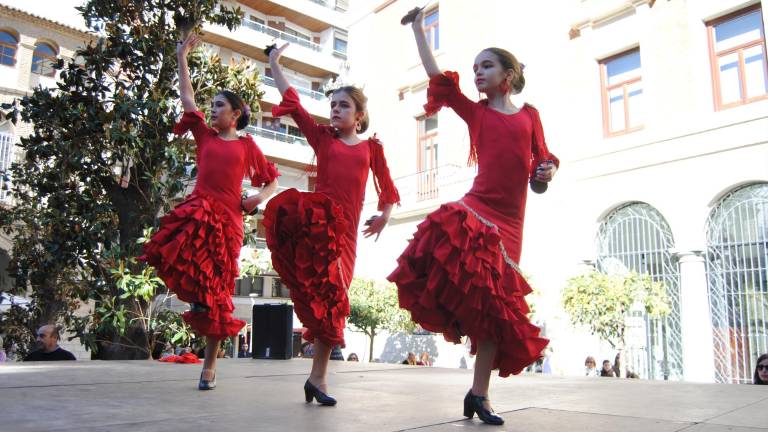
pixel 267 396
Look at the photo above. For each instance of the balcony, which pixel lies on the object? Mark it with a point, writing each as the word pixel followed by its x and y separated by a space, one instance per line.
pixel 251 38
pixel 313 15
pixel 281 145
pixel 277 34
pixel 301 90
pixel 314 102
pixel 422 191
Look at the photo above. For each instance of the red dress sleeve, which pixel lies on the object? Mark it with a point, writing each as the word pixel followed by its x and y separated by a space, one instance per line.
pixel 382 180
pixel 539 150
pixel 443 91
pixel 291 105
pixel 194 121
pixel 257 167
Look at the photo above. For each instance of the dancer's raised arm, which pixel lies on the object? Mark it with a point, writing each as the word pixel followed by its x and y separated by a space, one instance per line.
pixel 425 51
pixel 277 70
pixel 186 92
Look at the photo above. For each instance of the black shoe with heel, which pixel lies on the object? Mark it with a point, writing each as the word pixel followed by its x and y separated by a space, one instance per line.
pixel 474 404
pixel 207 385
pixel 312 392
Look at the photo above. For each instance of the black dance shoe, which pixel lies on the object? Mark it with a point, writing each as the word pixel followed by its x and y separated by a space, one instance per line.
pixel 310 391
pixel 474 404
pixel 198 307
pixel 207 385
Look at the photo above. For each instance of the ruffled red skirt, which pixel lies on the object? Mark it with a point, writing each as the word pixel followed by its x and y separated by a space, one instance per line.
pixel 305 233
pixel 455 279
pixel 195 253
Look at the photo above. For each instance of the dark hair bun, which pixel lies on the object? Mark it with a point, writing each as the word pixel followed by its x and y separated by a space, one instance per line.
pixel 244 120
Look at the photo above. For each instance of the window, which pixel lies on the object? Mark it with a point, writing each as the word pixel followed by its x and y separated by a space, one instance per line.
pixel 340 39
pixel 294 131
pixel 256 19
pixel 432 29
pixel 342 5
pixel 622 93
pixel 297 34
pixel 340 45
pixel 737 277
pixel 636 237
pixel 426 186
pixel 6 157
pixel 737 52
pixel 8 46
pixel 43 60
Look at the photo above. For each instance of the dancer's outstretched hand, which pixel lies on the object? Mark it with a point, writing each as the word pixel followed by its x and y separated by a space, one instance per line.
pixel 375 225
pixel 186 46
pixel 412 16
pixel 418 20
pixel 275 54
pixel 545 171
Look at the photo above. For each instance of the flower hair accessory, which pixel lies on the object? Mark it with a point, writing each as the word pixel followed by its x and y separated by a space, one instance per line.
pixel 522 66
pixel 247 109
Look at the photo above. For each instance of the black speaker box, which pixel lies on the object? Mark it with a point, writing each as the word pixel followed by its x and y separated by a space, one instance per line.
pixel 272 331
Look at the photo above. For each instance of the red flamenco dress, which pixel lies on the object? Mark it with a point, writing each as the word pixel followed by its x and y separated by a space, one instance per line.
pixel 196 249
pixel 459 274
pixel 313 235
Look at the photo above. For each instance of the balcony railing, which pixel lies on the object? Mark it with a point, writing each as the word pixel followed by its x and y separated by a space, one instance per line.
pixel 305 91
pixel 281 35
pixel 445 182
pixel 277 136
pixel 333 4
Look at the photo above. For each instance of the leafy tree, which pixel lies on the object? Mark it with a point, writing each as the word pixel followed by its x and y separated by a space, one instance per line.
pixel 102 163
pixel 374 308
pixel 601 303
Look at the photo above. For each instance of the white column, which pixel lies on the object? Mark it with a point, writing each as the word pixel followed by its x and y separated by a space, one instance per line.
pixel 695 319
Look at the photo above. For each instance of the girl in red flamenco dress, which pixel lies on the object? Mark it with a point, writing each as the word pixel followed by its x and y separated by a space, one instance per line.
pixel 313 235
pixel 196 249
pixel 459 274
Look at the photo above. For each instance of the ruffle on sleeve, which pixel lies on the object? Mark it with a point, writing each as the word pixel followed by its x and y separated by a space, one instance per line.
pixel 257 167
pixel 189 121
pixel 289 105
pixel 441 88
pixel 382 180
pixel 539 151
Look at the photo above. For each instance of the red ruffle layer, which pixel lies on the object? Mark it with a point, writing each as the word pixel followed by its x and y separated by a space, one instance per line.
pixel 304 232
pixel 195 252
pixel 454 280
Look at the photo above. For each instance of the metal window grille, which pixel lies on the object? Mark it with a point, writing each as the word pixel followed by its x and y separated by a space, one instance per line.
pixel 637 238
pixel 737 262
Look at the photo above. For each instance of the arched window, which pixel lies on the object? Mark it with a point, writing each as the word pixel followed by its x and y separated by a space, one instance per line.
pixel 636 237
pixel 43 59
pixel 8 46
pixel 737 263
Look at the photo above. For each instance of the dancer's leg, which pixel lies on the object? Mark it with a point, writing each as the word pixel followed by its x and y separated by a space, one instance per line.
pixel 486 352
pixel 209 363
pixel 319 374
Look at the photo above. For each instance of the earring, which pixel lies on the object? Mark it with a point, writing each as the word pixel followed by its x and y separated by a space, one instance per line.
pixel 504 87
pixel 358 127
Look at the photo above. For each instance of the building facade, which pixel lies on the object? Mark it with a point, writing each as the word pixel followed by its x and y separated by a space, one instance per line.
pixel 658 111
